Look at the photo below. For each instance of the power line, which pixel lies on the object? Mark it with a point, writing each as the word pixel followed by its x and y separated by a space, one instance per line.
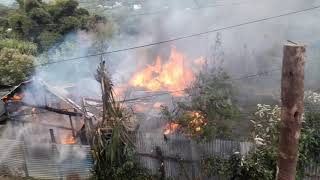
pixel 183 37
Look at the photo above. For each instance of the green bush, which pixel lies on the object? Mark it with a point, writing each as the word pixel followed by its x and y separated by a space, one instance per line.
pixel 23 47
pixel 4 10
pixel 261 162
pixel 210 110
pixel 14 66
pixel 29 5
pixel 69 23
pixel 40 16
pixel 36 19
pixel 63 8
pixel 21 24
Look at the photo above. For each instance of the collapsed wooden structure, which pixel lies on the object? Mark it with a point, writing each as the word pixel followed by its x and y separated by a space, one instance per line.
pixel 60 115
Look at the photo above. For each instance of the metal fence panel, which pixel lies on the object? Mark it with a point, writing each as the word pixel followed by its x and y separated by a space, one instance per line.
pixel 184 148
pixel 45 161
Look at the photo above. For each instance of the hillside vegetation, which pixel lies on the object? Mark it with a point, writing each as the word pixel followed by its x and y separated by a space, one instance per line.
pixel 32 28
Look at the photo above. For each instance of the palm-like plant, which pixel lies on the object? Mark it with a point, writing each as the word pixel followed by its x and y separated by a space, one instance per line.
pixel 112 146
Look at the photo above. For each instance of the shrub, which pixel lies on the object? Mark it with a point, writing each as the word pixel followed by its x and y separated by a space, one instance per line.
pixel 23 47
pixel 21 25
pixel 40 16
pixel 14 66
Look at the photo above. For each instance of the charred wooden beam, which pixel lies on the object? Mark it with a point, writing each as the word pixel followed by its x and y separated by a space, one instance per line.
pixel 59 111
pixel 53 139
pixel 71 124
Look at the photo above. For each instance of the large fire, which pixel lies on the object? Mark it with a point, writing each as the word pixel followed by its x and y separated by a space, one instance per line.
pixel 15 97
pixel 173 75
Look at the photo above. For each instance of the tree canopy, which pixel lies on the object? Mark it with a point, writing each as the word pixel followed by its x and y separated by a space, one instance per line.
pixel 34 27
pixel 15 66
pixel 45 23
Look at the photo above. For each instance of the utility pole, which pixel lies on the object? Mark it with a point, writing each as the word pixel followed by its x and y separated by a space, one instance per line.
pixel 292 94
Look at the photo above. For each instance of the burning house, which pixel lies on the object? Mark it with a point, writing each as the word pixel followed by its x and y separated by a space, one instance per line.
pixel 38 112
pixel 60 109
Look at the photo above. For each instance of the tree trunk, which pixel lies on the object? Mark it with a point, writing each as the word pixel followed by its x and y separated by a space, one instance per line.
pixel 292 93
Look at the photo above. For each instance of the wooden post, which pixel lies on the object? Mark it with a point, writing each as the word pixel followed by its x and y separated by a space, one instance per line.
pixel 161 163
pixel 87 123
pixel 292 93
pixel 53 139
pixel 72 128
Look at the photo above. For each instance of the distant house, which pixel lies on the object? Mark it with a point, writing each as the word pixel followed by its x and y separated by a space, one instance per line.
pixel 33 108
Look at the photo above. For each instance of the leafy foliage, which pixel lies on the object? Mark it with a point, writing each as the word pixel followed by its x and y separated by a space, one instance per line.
pixel 112 145
pixel 14 66
pixel 45 23
pixel 47 38
pixel 35 27
pixel 266 131
pixel 266 125
pixel 261 162
pixel 21 25
pixel 237 167
pixel 210 108
pixel 22 46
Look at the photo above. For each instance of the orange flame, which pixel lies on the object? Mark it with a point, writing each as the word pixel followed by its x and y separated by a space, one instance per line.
pixel 200 61
pixel 139 108
pixel 196 124
pixel 119 90
pixel 157 105
pixel 198 121
pixel 34 110
pixel 170 128
pixel 172 76
pixel 17 97
pixel 69 140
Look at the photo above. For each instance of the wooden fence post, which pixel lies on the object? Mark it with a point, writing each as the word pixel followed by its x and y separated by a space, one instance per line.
pixel 292 94
pixel 72 128
pixel 160 157
pixel 53 139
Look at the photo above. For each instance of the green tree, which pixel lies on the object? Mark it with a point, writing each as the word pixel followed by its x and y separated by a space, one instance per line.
pixel 16 60
pixel 40 16
pixel 14 66
pixel 112 143
pixel 213 96
pixel 46 39
pixel 21 25
pixel 211 108
pixel 29 5
pixel 36 19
